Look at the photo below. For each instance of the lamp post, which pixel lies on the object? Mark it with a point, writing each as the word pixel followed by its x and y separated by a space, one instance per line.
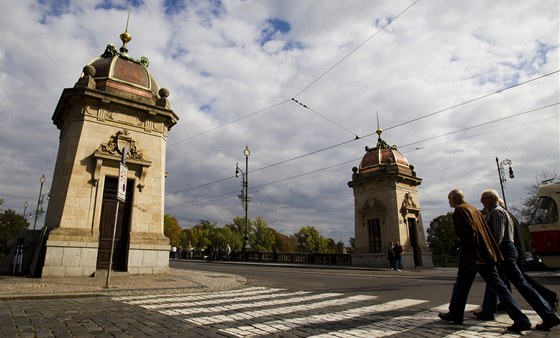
pixel 501 175
pixel 25 205
pixel 244 196
pixel 42 180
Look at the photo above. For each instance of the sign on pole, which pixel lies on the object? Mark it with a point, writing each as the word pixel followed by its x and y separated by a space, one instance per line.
pixel 123 174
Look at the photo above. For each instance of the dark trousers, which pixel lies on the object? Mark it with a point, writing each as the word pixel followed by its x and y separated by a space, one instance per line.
pixel 509 269
pixel 463 283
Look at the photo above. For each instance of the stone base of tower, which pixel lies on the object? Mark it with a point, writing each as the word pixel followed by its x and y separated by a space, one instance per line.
pixel 73 253
pixel 70 252
pixel 148 253
pixel 379 260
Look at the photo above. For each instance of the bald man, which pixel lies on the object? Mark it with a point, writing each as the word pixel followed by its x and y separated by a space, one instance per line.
pixel 478 253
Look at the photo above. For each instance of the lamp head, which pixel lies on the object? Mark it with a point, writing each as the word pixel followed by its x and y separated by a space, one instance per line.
pixel 42 179
pixel 511 175
pixel 246 151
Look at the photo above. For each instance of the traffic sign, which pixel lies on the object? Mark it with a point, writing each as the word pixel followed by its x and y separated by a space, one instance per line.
pixel 123 174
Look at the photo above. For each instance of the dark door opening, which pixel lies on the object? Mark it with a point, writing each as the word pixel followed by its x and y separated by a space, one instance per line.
pixel 414 241
pixel 108 208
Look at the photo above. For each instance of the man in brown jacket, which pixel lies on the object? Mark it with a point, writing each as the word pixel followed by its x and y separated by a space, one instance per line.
pixel 478 252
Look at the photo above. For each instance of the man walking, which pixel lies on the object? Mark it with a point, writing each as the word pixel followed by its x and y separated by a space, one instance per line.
pixel 478 253
pixel 502 227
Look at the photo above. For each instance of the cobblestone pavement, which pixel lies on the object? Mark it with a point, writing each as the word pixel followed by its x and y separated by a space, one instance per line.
pixel 177 280
pixel 186 303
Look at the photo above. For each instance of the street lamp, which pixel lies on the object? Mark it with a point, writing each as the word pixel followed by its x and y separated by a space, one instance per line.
pixel 42 180
pixel 501 175
pixel 25 205
pixel 244 195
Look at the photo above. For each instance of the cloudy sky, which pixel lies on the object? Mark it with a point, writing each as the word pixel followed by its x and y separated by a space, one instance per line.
pixel 455 84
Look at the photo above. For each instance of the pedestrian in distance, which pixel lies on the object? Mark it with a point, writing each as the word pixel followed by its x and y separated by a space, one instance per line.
pixel 478 253
pixel 502 226
pixel 391 256
pixel 398 249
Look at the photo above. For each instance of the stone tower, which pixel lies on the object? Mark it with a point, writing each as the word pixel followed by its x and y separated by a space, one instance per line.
pixel 386 208
pixel 115 104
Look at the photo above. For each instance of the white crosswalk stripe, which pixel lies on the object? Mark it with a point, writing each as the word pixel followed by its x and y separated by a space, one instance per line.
pixel 288 324
pixel 261 311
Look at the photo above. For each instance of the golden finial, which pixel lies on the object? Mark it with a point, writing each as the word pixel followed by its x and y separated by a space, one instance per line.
pixel 379 130
pixel 125 37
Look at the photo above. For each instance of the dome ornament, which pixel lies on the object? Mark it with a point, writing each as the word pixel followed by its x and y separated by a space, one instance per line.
pixel 111 50
pixel 381 144
pixel 125 37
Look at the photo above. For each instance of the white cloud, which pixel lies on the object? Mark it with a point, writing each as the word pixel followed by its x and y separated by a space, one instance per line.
pixel 435 56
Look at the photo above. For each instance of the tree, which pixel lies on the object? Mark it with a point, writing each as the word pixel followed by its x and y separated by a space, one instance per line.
pixel 238 228
pixel 352 243
pixel 11 225
pixel 284 243
pixel 309 240
pixel 172 230
pixel 530 202
pixel 264 239
pixel 441 236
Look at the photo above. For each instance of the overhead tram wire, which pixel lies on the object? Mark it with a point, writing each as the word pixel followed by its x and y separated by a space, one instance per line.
pixel 306 87
pixel 475 135
pixel 355 49
pixel 326 118
pixel 230 122
pixel 485 123
pixel 469 101
pixel 391 127
pixel 357 159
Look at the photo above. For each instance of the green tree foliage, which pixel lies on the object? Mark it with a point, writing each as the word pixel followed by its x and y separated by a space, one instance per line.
pixel 11 225
pixel 197 236
pixel 310 240
pixel 263 239
pixel 284 243
pixel 441 236
pixel 352 243
pixel 172 230
pixel 260 237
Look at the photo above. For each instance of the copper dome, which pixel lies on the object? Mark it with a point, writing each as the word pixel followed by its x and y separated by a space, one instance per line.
pixel 377 159
pixel 118 73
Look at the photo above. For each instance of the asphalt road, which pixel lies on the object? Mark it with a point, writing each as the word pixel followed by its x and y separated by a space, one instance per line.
pixel 276 301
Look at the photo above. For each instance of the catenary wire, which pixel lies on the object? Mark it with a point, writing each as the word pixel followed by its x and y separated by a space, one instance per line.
pixel 257 187
pixel 304 89
pixel 355 49
pixel 367 135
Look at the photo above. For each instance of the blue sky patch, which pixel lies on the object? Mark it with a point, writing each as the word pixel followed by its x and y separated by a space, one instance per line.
pixel 272 29
pixel 108 4
pixel 54 8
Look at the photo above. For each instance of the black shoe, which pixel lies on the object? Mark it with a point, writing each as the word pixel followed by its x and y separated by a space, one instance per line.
pixel 482 316
pixel 449 318
pixel 517 328
pixel 547 324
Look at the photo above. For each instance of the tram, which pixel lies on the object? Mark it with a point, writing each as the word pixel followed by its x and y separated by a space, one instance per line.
pixel 545 226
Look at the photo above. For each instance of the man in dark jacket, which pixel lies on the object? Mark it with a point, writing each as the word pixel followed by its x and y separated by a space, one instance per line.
pixel 478 253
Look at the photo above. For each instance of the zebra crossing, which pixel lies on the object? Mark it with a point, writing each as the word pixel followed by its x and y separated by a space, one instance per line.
pixel 274 312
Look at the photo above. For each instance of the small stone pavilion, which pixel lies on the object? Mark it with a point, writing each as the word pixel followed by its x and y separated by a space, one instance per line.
pixel 116 104
pixel 386 208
